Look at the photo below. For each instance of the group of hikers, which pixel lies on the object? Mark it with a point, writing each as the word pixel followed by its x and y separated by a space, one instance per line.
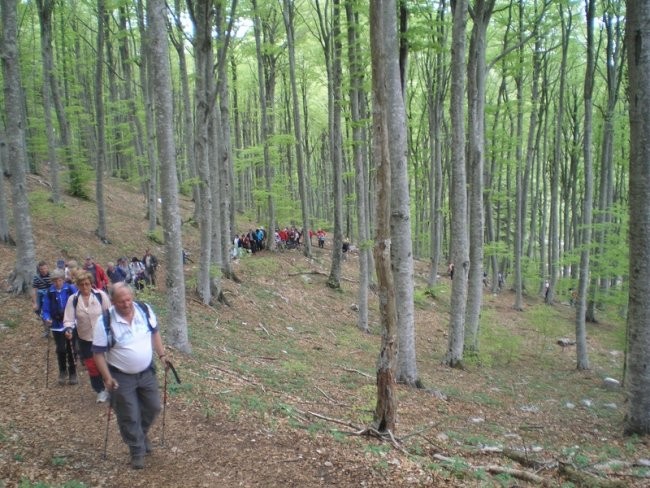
pixel 92 315
pixel 289 237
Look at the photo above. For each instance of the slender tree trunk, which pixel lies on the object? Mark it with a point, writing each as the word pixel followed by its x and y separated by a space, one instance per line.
pixel 438 88
pixel 383 42
pixel 45 8
pixel 265 132
pixel 162 91
pixel 582 358
pixel 132 109
pixel 201 14
pixel 400 220
pixel 20 279
pixel 459 232
pixel 554 230
pixel 334 279
pixel 101 124
pixel 637 382
pixel 188 124
pixel 359 156
pixel 288 15
pixel 482 11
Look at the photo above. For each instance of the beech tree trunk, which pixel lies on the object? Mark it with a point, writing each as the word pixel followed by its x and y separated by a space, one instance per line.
pixel 336 151
pixel 554 228
pixel 201 15
pixel 162 88
pixel 637 380
pixel 288 15
pixel 481 11
pixel 20 280
pixel 45 9
pixel 101 124
pixel 459 231
pixel 383 43
pixel 400 218
pixel 582 358
pixel 359 156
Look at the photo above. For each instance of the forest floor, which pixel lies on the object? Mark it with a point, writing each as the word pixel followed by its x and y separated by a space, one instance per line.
pixel 280 383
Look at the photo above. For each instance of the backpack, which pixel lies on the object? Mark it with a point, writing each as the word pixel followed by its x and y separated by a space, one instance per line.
pixel 110 339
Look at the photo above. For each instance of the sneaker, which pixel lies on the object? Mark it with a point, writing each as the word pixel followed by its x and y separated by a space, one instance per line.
pixel 62 378
pixel 102 396
pixel 46 334
pixel 137 462
pixel 73 379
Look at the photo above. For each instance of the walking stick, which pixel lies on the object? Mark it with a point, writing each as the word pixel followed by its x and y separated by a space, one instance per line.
pixel 47 363
pixel 108 421
pixel 169 366
pixel 162 435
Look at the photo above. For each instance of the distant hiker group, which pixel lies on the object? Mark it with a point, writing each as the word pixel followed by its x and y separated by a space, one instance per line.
pixel 289 237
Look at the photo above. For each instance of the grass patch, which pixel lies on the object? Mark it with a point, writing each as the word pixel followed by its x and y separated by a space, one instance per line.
pixel 262 265
pixel 41 206
pixel 499 346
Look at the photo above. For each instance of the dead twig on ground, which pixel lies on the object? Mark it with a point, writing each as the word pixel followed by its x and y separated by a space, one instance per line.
pixel 351 370
pixel 334 402
pixel 346 423
pixel 237 375
pixel 582 478
pixel 264 329
pixel 518 473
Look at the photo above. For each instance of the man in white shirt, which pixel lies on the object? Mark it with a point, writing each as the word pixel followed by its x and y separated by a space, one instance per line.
pixel 124 358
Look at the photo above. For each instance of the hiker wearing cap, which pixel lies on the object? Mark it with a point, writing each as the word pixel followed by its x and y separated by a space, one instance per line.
pixel 82 311
pixel 99 275
pixel 123 351
pixel 52 313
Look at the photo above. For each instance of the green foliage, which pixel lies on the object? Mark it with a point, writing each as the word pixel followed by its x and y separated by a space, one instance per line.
pixel 187 186
pixel 42 207
pixel 156 236
pixel 79 177
pixel 498 344
pixel 422 297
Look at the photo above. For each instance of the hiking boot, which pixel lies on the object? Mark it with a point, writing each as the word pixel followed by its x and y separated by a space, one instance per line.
pixel 102 396
pixel 73 380
pixel 148 447
pixel 137 461
pixel 62 378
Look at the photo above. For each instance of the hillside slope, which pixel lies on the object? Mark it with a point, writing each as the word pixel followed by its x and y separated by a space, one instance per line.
pixel 280 383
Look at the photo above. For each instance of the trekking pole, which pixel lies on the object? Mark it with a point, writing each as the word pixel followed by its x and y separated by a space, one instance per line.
pixel 47 362
pixel 162 435
pixel 168 366
pixel 108 421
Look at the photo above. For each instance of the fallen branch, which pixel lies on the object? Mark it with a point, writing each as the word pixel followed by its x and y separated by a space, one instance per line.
pixel 264 329
pixel 237 375
pixel 334 402
pixel 350 370
pixel 330 419
pixel 582 478
pixel 519 474
pixel 523 459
